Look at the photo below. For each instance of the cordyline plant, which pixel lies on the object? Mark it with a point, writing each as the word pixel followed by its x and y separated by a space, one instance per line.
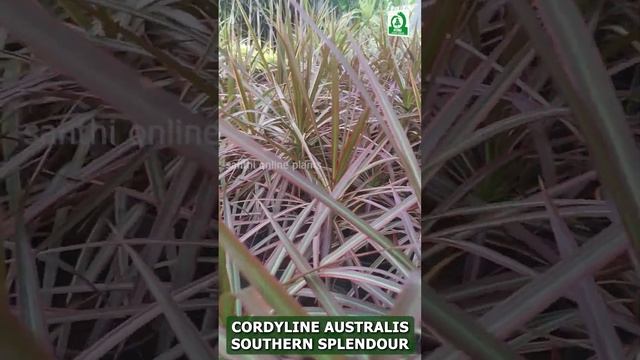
pixel 319 113
pixel 108 239
pixel 531 180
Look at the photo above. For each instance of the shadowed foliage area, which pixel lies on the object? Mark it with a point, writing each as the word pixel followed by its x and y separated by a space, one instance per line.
pixel 530 173
pixel 108 228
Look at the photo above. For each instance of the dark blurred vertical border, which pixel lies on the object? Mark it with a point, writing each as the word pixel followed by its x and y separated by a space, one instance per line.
pixel 439 19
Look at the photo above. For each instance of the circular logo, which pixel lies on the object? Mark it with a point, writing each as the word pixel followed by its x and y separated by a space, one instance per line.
pixel 399 21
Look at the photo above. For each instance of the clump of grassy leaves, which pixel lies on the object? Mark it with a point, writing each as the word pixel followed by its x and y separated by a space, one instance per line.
pixel 530 180
pixel 108 242
pixel 319 177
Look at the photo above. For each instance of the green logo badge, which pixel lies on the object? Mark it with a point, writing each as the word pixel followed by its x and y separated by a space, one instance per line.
pixel 397 22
